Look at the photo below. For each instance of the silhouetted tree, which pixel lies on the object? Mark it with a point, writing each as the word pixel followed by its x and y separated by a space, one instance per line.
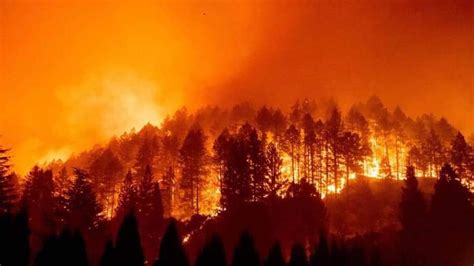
pixel 275 256
pixel 39 199
pixel 412 219
pixel 257 166
pixel 128 249
pixel 452 220
pixel 320 256
pixel 109 257
pixel 274 180
pixel 168 182
pixel 334 129
pixel 264 119
pixel 245 253
pixel 298 256
pixel 212 254
pixel 84 210
pixel 8 194
pixel 172 252
pixel 149 212
pixel 106 171
pixel 292 146
pixel 128 197
pixel 434 152
pixel 460 155
pixel 66 249
pixel 193 157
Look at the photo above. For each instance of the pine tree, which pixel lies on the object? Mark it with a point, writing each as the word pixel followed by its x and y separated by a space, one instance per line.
pixel 84 210
pixel 334 129
pixel 128 249
pixel 62 184
pixel 66 249
pixel 292 147
pixel 127 197
pixel 213 253
pixel 8 195
pixel 275 256
pixel 460 155
pixel 105 172
pixel 412 218
pixel 320 256
pixel 172 252
pixel 452 219
pixel 257 169
pixel 149 212
pixel 245 253
pixel 108 258
pixel 38 198
pixel 298 256
pixel 168 182
pixel 274 180
pixel 193 157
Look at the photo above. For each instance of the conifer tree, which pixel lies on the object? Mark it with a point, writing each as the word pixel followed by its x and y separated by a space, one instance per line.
pixel 320 256
pixel 193 157
pixel 245 253
pixel 212 254
pixel 298 256
pixel 460 155
pixel 108 258
pixel 168 182
pixel 274 180
pixel 84 210
pixel 275 256
pixel 172 252
pixel 8 195
pixel 128 249
pixel 127 197
pixel 452 218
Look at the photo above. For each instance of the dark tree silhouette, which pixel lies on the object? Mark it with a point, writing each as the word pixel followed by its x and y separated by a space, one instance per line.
pixel 452 220
pixel 168 188
pixel 127 197
pixel 8 194
pixel 106 171
pixel 39 199
pixel 257 163
pixel 84 210
pixel 66 249
pixel 193 158
pixel 150 212
pixel 245 253
pixel 172 252
pixel 292 147
pixel 274 181
pixel 321 256
pixel 298 256
pixel 275 256
pixel 461 156
pixel 212 254
pixel 128 249
pixel 412 219
pixel 109 257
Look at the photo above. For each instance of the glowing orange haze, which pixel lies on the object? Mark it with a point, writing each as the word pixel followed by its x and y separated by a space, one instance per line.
pixel 73 74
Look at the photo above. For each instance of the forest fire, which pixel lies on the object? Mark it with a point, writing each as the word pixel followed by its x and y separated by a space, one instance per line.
pixel 242 133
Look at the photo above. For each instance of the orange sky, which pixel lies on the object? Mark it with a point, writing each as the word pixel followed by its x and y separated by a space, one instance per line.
pixel 73 74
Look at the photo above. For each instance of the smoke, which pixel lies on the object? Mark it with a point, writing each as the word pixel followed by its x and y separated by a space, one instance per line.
pixel 80 73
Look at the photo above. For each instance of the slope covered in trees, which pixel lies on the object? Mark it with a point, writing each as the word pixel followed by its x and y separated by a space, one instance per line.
pixel 365 187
